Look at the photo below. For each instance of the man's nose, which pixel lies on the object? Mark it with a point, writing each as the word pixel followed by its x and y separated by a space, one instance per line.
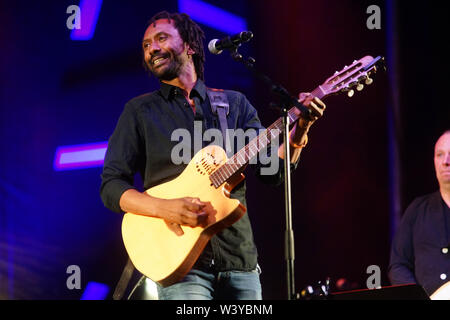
pixel 154 47
pixel 447 159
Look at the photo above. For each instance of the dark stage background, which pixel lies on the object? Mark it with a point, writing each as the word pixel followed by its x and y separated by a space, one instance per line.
pixel 367 158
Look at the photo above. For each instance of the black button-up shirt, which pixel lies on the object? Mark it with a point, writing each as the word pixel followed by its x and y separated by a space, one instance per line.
pixel 420 248
pixel 141 142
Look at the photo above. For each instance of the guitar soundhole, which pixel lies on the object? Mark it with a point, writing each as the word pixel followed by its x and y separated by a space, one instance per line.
pixel 207 164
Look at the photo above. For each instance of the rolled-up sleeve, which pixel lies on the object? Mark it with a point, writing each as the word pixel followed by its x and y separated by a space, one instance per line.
pixel 122 158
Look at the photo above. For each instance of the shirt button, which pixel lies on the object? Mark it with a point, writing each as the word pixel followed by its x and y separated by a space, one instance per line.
pixel 444 250
pixel 443 276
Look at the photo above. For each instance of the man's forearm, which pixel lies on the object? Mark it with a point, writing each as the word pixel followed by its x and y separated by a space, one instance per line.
pixel 298 139
pixel 139 203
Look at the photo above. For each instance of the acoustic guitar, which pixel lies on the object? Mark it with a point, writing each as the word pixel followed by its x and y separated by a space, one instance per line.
pixel 161 255
pixel 442 293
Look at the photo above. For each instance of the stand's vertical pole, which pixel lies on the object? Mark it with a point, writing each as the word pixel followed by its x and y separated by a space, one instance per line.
pixel 289 235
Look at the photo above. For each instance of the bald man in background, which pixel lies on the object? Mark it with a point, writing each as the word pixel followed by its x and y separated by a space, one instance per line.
pixel 420 250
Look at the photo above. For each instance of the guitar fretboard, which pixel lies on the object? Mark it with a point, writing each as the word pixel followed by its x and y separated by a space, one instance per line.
pixel 243 156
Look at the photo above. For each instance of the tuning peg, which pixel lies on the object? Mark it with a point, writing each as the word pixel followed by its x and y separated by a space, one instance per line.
pixel 369 81
pixel 354 61
pixel 336 72
pixel 350 93
pixel 359 87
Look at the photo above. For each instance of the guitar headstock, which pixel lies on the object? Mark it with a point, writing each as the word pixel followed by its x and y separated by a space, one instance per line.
pixel 356 75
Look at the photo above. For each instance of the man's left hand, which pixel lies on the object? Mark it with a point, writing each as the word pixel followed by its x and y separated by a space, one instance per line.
pixel 314 104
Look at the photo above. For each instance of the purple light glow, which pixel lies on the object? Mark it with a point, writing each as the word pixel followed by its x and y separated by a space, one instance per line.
pixel 80 156
pixel 95 291
pixel 89 11
pixel 212 16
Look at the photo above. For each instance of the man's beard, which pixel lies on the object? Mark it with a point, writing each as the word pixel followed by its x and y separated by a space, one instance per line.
pixel 170 70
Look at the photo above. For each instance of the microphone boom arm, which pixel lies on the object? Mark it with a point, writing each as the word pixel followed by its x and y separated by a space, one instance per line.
pixel 286 98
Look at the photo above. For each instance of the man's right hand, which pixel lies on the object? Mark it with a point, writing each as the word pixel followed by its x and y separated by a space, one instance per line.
pixel 186 211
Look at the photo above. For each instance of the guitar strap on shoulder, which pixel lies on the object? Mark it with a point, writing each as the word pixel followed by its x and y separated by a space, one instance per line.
pixel 220 107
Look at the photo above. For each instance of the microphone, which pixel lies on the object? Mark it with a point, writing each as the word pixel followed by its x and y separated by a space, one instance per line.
pixel 216 46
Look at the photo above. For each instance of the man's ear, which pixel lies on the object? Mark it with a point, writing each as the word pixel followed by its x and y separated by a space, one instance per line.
pixel 190 51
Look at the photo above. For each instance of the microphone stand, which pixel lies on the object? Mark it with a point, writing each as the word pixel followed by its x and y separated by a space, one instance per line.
pixel 287 101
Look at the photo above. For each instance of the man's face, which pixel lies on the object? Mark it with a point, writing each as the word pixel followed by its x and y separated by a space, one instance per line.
pixel 164 51
pixel 442 160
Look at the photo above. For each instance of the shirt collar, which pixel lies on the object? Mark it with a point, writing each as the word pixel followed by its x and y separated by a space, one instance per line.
pixel 199 90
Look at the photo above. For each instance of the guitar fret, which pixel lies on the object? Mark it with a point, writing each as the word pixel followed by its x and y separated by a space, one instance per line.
pixel 253 150
pixel 291 117
pixel 229 169
pixel 225 169
pixel 220 176
pixel 232 167
pixel 214 180
pixel 241 158
pixel 246 154
pixel 262 141
pixel 274 134
pixel 234 160
pixel 237 160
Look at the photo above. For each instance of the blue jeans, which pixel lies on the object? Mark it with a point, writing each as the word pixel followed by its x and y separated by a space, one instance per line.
pixel 228 285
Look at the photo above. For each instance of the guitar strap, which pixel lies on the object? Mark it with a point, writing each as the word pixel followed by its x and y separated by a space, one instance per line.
pixel 124 280
pixel 221 107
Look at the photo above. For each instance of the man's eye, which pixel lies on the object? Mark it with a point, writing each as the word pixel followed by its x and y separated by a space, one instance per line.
pixel 162 38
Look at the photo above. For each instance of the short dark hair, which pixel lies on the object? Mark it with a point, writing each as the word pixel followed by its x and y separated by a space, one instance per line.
pixel 190 33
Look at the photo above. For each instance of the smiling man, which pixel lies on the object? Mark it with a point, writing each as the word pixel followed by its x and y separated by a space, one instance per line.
pixel 420 250
pixel 141 142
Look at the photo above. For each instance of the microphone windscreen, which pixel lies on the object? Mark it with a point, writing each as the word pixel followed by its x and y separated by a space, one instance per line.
pixel 212 47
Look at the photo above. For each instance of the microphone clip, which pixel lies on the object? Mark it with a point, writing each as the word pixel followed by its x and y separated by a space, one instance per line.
pixel 249 62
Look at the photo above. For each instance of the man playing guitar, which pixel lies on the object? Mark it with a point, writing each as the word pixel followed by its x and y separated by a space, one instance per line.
pixel 226 267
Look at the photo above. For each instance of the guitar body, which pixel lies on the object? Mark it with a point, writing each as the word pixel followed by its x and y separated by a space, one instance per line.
pixel 155 250
pixel 442 293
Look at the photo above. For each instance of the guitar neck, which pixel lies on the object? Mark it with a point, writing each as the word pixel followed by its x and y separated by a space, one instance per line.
pixel 243 156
